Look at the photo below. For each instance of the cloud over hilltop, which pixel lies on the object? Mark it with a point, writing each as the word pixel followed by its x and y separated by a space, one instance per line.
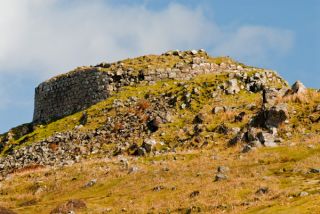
pixel 40 39
pixel 51 37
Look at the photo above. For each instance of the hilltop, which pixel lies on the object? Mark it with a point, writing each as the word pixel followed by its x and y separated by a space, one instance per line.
pixel 210 133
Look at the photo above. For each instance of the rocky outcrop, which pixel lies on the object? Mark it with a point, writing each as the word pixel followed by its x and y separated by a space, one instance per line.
pixel 298 88
pixel 124 131
pixel 77 90
pixel 130 131
pixel 270 117
pixel 232 87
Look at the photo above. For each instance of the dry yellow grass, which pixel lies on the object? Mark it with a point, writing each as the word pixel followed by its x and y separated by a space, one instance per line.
pixel 284 170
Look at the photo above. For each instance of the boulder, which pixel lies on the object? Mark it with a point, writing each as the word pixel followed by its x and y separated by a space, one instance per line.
pixel 198 119
pixel 276 115
pixel 218 109
pixel 262 190
pixel 194 194
pixel 232 87
pixel 298 88
pixel 221 129
pixel 239 117
pixel 270 117
pixel 194 52
pixel 246 148
pixel 315 170
pixel 270 95
pixel 149 145
pixel 154 124
pixel 91 183
pixel 235 140
pixel 266 139
pixel 220 177
pixel 223 169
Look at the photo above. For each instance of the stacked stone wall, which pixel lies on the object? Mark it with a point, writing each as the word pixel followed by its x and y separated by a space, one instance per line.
pixel 83 87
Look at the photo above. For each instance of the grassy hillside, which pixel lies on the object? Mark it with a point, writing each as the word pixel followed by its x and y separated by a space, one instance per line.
pixel 166 183
pixel 193 168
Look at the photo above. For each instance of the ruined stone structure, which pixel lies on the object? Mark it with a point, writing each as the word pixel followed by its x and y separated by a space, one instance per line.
pixel 69 93
pixel 85 86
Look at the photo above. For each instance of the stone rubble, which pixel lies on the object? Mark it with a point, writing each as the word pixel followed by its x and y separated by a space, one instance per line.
pixel 126 128
pixel 77 90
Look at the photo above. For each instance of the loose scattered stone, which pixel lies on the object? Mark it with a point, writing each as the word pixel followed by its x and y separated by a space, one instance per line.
pixel 239 117
pixel 298 88
pixel 303 194
pixel 223 169
pixel 154 124
pixel 133 169
pixel 246 148
pixel 262 190
pixel 149 145
pixel 232 87
pixel 270 144
pixel 271 117
pixel 91 183
pixel 221 129
pixel 194 194
pixel 218 109
pixel 266 138
pixel 158 188
pixel 315 170
pixel 69 207
pixel 199 118
pixel 220 177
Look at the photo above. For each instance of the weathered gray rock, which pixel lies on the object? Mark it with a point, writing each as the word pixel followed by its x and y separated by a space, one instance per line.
pixel 276 115
pixel 154 124
pixel 232 86
pixel 149 145
pixel 315 170
pixel 223 169
pixel 220 177
pixel 270 144
pixel 246 148
pixel 266 139
pixel 255 143
pixel 270 95
pixel 270 117
pixel 133 169
pixel 303 194
pixel 199 118
pixel 91 183
pixel 298 88
pixel 218 109
pixel 158 188
pixel 262 190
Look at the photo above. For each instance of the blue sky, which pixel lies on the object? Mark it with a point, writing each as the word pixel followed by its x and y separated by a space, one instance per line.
pixel 40 39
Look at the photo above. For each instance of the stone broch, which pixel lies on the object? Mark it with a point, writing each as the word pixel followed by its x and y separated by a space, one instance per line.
pixel 79 89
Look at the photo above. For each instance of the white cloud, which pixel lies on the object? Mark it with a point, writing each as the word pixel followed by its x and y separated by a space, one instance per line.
pixel 49 38
pixel 41 38
pixel 256 43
